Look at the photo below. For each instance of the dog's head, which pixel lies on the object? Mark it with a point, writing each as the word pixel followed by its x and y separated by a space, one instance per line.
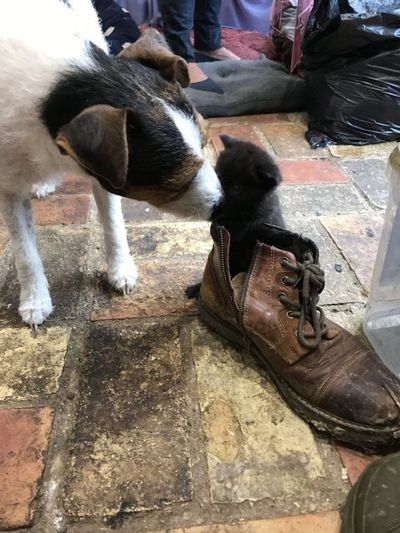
pixel 142 139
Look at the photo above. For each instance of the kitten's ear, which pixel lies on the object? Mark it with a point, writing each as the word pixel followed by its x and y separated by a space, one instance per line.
pixel 268 179
pixel 228 141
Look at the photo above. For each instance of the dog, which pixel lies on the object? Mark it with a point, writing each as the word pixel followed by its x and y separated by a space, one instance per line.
pixel 68 107
pixel 249 178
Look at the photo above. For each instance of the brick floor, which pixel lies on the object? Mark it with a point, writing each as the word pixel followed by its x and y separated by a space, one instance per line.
pixel 357 236
pixel 24 436
pixel 317 523
pixel 3 241
pixel 244 132
pixel 75 185
pixel 288 141
pixel 61 209
pixel 354 462
pixel 309 171
pixel 159 425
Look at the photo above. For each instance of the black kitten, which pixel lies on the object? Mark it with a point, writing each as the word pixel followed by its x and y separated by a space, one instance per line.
pixel 249 178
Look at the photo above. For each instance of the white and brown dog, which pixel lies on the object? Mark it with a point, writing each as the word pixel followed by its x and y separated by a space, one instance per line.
pixel 66 106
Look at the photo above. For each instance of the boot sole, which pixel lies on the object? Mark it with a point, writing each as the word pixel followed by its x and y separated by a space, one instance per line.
pixel 366 437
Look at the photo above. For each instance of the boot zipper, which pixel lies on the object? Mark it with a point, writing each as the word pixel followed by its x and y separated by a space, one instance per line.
pixel 224 270
pixel 244 291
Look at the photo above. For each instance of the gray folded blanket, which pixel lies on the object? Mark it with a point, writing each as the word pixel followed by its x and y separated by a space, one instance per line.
pixel 250 87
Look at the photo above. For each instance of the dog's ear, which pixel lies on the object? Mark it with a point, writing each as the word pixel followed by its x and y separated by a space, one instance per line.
pixel 96 139
pixel 152 50
pixel 228 141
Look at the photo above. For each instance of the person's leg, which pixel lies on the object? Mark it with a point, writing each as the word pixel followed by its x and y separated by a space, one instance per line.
pixel 177 18
pixel 207 30
pixel 177 23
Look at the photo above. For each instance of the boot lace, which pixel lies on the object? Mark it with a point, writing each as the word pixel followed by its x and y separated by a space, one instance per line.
pixel 310 282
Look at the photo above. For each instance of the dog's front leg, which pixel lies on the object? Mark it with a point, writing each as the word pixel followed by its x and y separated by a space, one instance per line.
pixel 35 302
pixel 122 273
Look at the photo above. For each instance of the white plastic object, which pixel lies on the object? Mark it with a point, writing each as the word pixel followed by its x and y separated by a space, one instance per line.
pixel 382 319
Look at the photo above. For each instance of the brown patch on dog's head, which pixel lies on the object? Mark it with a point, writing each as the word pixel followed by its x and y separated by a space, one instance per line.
pixel 204 129
pixel 96 139
pixel 152 50
pixel 173 188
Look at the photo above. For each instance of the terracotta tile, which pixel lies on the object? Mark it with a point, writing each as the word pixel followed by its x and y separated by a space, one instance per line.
pixel 310 171
pixel 24 436
pixel 242 131
pixel 354 462
pixel 160 291
pixel 289 142
pixel 308 523
pixel 62 209
pixel 75 185
pixel 249 119
pixel 226 121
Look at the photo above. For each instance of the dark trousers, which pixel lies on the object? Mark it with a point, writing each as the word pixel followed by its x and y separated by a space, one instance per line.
pixel 181 16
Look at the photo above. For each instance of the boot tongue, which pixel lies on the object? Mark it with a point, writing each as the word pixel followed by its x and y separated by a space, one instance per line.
pixel 277 237
pixel 287 240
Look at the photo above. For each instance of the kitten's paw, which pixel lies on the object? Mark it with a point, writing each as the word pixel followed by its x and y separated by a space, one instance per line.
pixel 35 309
pixel 41 191
pixel 123 275
pixel 193 291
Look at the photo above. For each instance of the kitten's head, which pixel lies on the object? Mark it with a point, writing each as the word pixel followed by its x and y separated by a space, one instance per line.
pixel 246 172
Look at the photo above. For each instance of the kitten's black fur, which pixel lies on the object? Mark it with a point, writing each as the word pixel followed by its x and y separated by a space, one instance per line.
pixel 249 178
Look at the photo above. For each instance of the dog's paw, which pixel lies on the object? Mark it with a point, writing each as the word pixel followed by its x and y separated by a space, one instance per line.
pixel 34 311
pixel 123 275
pixel 41 191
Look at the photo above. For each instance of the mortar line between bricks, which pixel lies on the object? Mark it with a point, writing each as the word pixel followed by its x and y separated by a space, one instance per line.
pixel 268 145
pixel 33 403
pixel 200 473
pixel 365 196
pixel 50 515
pixel 365 290
pixel 50 512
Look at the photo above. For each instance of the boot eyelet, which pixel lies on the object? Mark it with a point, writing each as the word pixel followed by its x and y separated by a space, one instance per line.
pixel 284 280
pixel 279 297
pixel 290 315
pixel 284 261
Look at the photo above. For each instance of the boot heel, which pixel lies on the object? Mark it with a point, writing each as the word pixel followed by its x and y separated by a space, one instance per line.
pixel 220 326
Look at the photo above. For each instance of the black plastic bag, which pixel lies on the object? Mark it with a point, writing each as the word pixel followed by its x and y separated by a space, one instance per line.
pixel 352 71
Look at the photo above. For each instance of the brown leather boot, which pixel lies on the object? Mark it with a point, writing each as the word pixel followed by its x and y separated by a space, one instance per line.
pixel 323 372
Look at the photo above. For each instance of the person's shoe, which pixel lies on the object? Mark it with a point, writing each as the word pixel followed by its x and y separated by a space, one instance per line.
pixel 323 372
pixel 201 82
pixel 220 54
pixel 373 504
